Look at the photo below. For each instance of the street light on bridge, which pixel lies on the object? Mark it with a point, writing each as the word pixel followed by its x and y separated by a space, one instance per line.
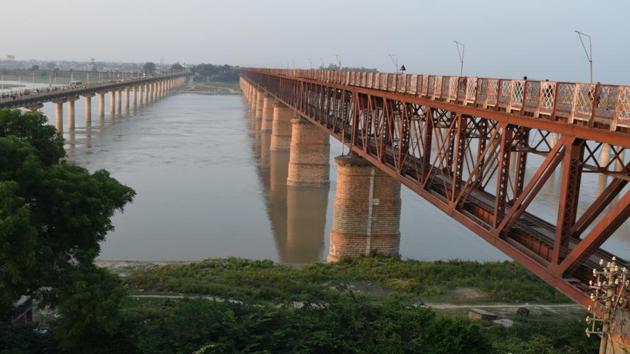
pixel 588 52
pixel 394 59
pixel 460 51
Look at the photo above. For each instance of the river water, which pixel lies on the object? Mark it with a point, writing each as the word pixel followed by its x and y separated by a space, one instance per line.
pixel 208 187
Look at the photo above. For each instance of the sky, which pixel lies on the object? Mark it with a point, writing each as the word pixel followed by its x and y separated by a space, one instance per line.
pixel 503 38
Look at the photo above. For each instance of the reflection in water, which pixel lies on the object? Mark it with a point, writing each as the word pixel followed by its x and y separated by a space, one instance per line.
pixel 297 214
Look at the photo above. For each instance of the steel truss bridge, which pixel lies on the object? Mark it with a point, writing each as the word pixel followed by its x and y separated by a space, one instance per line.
pixel 465 144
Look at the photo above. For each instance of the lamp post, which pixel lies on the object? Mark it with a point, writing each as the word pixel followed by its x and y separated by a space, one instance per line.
pixel 394 59
pixel 460 51
pixel 588 52
pixel 338 61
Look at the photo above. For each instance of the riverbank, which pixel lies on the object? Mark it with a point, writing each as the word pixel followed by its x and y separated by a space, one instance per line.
pixel 448 290
pixel 368 304
pixel 374 277
pixel 215 88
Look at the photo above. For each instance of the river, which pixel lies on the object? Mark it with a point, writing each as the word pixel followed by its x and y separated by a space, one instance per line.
pixel 208 187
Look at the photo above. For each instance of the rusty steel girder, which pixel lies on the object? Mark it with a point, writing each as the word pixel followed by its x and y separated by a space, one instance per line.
pixel 470 161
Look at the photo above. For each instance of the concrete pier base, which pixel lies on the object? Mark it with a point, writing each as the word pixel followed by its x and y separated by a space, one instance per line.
pixel 112 103
pixel 87 109
pixel 281 128
pixel 101 105
pixel 367 211
pixel 59 116
pixel 267 114
pixel 260 98
pixel 308 162
pixel 71 114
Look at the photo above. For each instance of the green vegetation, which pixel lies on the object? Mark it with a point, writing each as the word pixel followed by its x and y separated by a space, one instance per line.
pixel 305 313
pixel 149 68
pixel 373 277
pixel 54 214
pixel 215 73
pixel 52 217
pixel 216 88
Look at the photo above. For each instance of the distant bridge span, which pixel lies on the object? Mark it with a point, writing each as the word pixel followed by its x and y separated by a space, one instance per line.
pixel 463 144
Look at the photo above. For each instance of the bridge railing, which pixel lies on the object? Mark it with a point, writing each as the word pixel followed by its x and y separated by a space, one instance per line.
pixel 580 103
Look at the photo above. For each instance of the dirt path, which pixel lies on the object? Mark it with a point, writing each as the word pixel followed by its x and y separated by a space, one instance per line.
pixel 437 306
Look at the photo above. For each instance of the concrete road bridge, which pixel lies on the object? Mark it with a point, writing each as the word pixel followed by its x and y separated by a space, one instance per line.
pixel 144 90
pixel 480 149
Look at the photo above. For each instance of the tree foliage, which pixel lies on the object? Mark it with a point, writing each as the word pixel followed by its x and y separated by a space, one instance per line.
pixel 177 67
pixel 221 73
pixel 149 68
pixel 52 214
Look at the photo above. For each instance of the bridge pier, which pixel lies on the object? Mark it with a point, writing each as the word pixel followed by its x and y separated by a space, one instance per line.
pixel 254 102
pixel 71 113
pixel 59 116
pixel 127 103
pixel 87 109
pixel 367 211
pixel 281 128
pixel 260 99
pixel 267 114
pixel 112 103
pixel 101 105
pixel 308 161
pixel 135 96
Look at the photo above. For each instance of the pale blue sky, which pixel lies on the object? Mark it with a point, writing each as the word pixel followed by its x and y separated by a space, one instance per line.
pixel 503 38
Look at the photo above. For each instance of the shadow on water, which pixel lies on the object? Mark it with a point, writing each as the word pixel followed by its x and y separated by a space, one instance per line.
pixel 297 214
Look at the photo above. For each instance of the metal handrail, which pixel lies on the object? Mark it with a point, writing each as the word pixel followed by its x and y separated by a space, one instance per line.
pixel 585 103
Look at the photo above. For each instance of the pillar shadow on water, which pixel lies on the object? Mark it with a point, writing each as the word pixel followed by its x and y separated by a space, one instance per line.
pixel 297 215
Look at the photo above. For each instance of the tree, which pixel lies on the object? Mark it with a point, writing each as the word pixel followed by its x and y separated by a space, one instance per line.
pixel 177 67
pixel 149 68
pixel 52 214
pixel 90 320
pixel 34 67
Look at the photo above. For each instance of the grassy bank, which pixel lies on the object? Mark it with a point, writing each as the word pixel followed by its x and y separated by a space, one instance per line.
pixel 364 305
pixel 372 277
pixel 216 88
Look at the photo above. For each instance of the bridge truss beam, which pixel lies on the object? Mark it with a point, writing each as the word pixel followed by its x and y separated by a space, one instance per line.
pixel 472 163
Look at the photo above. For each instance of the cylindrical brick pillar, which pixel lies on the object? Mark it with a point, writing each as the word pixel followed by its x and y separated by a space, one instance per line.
pixel 71 114
pixel 112 102
pixel 59 116
pixel 101 105
pixel 87 109
pixel 267 114
pixel 281 131
pixel 308 162
pixel 367 211
pixel 260 97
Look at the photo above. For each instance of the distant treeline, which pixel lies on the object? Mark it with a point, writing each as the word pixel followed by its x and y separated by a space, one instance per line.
pixel 228 73
pixel 210 72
